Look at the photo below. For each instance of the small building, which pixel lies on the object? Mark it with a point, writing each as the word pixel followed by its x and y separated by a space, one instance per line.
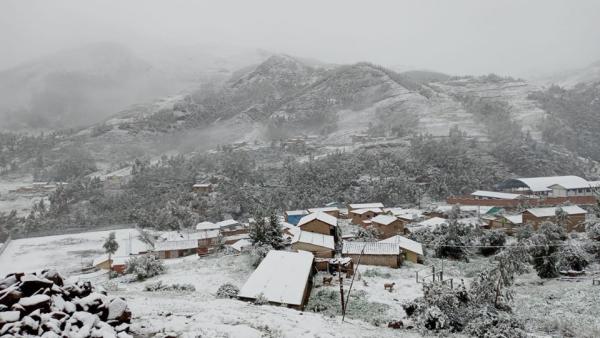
pixel 508 223
pixel 206 226
pixel 176 248
pixel 381 254
pixel 575 218
pixel 230 227
pixel 363 216
pixel 202 188
pixel 321 223
pixel 387 225
pixel 119 263
pixel 354 206
pixel 430 223
pixel 319 245
pixel 241 245
pixel 283 277
pixel 553 186
pixel 289 231
pixel 294 216
pixel 333 211
pixel 411 250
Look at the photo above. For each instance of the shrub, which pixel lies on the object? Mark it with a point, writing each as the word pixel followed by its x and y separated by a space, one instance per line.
pixel 327 302
pixel 592 229
pixel 258 253
pixel 227 290
pixel 261 300
pixel 572 257
pixel 376 273
pixel 159 286
pixel 145 266
pixel 525 232
pixel 494 238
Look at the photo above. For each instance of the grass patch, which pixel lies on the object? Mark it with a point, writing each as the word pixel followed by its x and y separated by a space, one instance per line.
pixel 376 273
pixel 327 302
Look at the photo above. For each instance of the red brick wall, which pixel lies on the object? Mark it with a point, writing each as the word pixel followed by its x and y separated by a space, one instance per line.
pixel 532 202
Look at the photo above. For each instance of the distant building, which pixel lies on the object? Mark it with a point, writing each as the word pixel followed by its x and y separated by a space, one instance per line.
pixel 552 186
pixel 487 195
pixel 320 245
pixel 283 277
pixel 575 217
pixel 119 263
pixel 363 216
pixel 176 248
pixel 294 216
pixel 411 250
pixel 353 206
pixel 508 223
pixel 373 253
pixel 333 211
pixel 387 225
pixel 321 223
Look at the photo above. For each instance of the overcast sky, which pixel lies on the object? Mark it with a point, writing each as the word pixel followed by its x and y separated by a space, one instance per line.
pixel 517 37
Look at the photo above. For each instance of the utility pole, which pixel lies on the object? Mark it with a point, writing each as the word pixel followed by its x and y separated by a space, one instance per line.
pixel 352 283
pixel 341 290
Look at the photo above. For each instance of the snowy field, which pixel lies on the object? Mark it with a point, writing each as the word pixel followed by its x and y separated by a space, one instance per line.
pixel 66 253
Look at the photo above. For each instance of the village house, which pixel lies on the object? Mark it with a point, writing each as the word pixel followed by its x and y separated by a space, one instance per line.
pixel 320 245
pixel 552 186
pixel 494 195
pixel 206 226
pixel 202 188
pixel 321 223
pixel 205 240
pixel 387 225
pixel 363 216
pixel 508 223
pixel 575 217
pixel 333 211
pixel 118 263
pixel 381 254
pixel 430 223
pixel 282 277
pixel 411 251
pixel 230 227
pixel 294 216
pixel 241 245
pixel 176 248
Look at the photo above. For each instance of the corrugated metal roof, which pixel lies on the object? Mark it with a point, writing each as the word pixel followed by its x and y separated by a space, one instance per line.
pixel 362 211
pixel 296 212
pixel 541 184
pixel 405 243
pixel 384 219
pixel 365 205
pixel 323 209
pixel 371 248
pixel 281 277
pixel 314 238
pixel 176 245
pixel 551 211
pixel 495 194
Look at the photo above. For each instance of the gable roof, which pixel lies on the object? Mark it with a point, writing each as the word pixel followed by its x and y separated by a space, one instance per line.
pixel 371 248
pixel 241 244
pixel 514 219
pixel 365 205
pixel 228 223
pixel 321 216
pixel 206 226
pixel 495 194
pixel 405 243
pixel 384 219
pixel 362 211
pixel 314 238
pixel 176 245
pixel 180 236
pixel 551 211
pixel 281 277
pixel 433 222
pixel 324 209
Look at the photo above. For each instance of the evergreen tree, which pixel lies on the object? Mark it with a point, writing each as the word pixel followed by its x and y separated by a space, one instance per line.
pixel 274 233
pixel 110 246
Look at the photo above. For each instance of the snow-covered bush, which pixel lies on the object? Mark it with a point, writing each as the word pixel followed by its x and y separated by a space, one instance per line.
pixel 227 290
pixel 261 300
pixel 493 239
pixel 553 231
pixel 452 241
pixel 544 255
pixel 525 232
pixel 368 234
pixel 572 257
pixel 159 286
pixel 258 253
pixel 592 229
pixel 145 266
pixel 376 273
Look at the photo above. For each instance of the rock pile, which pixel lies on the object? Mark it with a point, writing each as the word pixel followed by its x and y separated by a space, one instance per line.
pixel 42 305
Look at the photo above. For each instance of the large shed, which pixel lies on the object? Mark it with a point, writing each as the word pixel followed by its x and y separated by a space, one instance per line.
pixel 320 245
pixel 382 254
pixel 411 250
pixel 320 222
pixel 283 277
pixel 388 225
pixel 575 217
pixel 556 186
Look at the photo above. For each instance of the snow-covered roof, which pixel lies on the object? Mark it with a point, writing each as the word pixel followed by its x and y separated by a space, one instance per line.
pixel 594 184
pixel 495 194
pixel 202 185
pixel 433 222
pixel 314 238
pixel 514 219
pixel 321 216
pixel 551 211
pixel 384 219
pixel 228 223
pixel 206 226
pixel 324 209
pixel 241 244
pixel 371 248
pixel 365 205
pixel 281 277
pixel 405 243
pixel 296 212
pixel 543 184
pixel 408 214
pixel 362 211
pixel 196 235
pixel 176 245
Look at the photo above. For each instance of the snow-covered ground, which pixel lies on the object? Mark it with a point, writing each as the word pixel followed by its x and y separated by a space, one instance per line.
pixel 66 253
